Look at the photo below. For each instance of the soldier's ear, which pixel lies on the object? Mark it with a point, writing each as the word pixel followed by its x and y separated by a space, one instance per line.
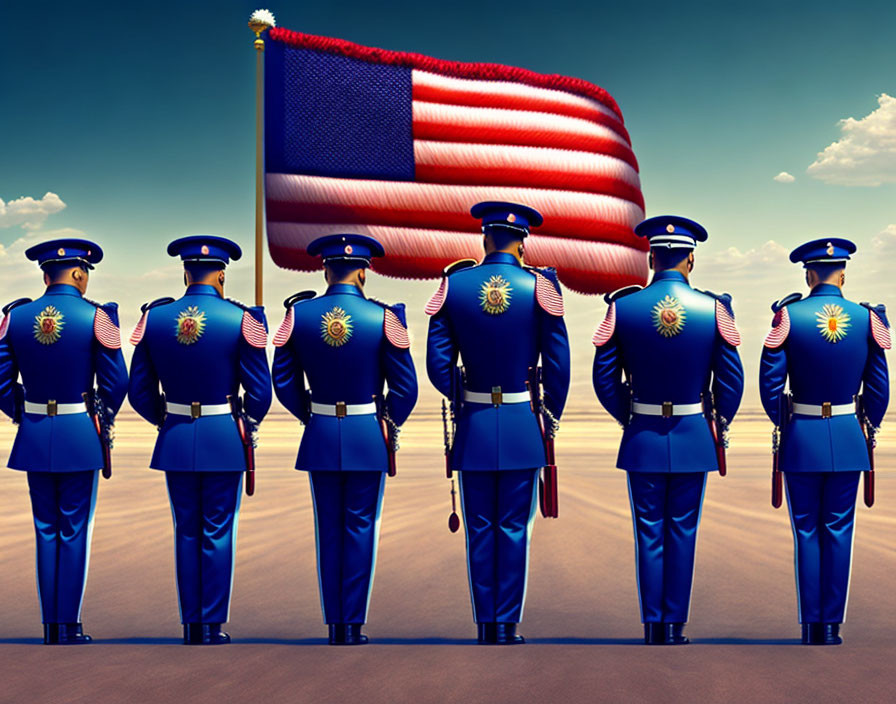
pixel 650 259
pixel 842 278
pixel 691 261
pixel 362 276
pixel 221 277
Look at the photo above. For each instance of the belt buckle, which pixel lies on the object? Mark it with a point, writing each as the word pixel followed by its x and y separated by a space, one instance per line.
pixel 497 396
pixel 52 407
pixel 195 410
pixel 341 409
pixel 667 409
pixel 826 411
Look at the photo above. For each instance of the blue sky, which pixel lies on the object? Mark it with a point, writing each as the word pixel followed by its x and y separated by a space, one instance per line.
pixel 141 117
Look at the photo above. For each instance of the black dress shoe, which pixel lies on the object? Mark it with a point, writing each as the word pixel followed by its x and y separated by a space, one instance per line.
pixel 505 634
pixel 213 635
pixel 72 634
pixel 654 634
pixel 192 634
pixel 353 635
pixel 831 634
pixel 675 634
pixel 51 633
pixel 486 633
pixel 812 634
pixel 337 633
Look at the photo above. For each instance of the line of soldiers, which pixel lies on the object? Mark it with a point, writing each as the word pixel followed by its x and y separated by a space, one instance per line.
pixel 666 367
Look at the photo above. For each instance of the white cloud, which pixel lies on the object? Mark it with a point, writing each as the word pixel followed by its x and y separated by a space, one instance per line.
pixel 784 177
pixel 28 212
pixel 866 153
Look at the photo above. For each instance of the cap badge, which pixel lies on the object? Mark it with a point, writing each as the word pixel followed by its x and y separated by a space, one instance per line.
pixel 204 249
pixel 495 295
pixel 190 325
pixel 669 316
pixel 830 250
pixel 48 325
pixel 336 327
pixel 349 249
pixel 60 252
pixel 670 228
pixel 511 218
pixel 833 322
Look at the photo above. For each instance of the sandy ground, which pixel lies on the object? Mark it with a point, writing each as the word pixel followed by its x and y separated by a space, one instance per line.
pixel 581 618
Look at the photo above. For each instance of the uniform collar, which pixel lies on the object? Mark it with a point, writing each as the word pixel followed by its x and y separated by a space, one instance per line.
pixel 826 290
pixel 62 290
pixel 349 289
pixel 670 275
pixel 202 290
pixel 501 258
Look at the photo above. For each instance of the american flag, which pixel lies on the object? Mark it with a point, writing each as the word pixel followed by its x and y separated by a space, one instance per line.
pixel 105 330
pixel 253 331
pixel 399 146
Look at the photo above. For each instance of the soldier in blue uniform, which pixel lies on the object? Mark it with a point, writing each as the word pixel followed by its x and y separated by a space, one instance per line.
pixel 828 349
pixel 666 367
pixel 61 344
pixel 201 349
pixel 499 317
pixel 348 346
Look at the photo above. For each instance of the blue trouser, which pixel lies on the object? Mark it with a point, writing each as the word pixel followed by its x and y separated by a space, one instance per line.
pixel 499 511
pixel 666 513
pixel 63 505
pixel 347 508
pixel 205 507
pixel 822 514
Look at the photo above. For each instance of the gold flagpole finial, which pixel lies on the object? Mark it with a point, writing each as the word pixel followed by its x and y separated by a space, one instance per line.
pixel 260 21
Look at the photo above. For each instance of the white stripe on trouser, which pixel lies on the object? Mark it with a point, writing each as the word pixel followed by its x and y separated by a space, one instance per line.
pixel 852 545
pixel 696 534
pixel 631 503
pixel 96 478
pixel 236 522
pixel 180 607
pixel 376 541
pixel 463 514
pixel 796 552
pixel 320 581
pixel 529 526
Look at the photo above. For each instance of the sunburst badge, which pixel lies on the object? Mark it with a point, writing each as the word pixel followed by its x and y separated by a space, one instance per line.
pixel 669 316
pixel 48 325
pixel 832 322
pixel 336 327
pixel 190 325
pixel 494 296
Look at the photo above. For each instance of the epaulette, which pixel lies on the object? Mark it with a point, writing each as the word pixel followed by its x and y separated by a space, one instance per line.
pixel 158 302
pixel 723 298
pixel 547 290
pixel 438 298
pixel 15 304
pixel 724 317
pixel 298 297
pixel 786 301
pixel 395 325
pixel 880 310
pixel 621 292
pixel 457 266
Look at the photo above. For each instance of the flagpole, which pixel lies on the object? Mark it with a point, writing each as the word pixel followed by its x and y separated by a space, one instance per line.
pixel 259 22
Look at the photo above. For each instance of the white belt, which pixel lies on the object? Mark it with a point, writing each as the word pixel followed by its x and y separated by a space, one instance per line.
pixel 51 408
pixel 197 410
pixel 497 398
pixel 825 410
pixel 340 410
pixel 667 410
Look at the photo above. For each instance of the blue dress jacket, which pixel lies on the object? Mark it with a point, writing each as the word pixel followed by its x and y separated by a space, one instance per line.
pixel 499 319
pixel 61 344
pixel 348 347
pixel 830 349
pixel 201 348
pixel 672 343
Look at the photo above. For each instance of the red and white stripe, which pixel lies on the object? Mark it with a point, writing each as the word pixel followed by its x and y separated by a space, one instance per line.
pixel 879 331
pixel 438 298
pixel 588 266
pixel 780 329
pixel 137 335
pixel 107 332
pixel 284 332
pixel 726 325
pixel 482 132
pixel 396 333
pixel 547 295
pixel 607 327
pixel 4 326
pixel 253 331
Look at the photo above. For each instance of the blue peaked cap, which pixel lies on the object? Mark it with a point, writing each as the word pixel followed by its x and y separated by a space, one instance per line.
pixel 512 216
pixel 672 232
pixel 205 248
pixel 826 250
pixel 346 247
pixel 66 250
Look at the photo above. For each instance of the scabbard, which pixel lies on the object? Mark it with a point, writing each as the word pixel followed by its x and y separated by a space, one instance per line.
pixel 549 490
pixel 777 482
pixel 107 453
pixel 869 488
pixel 390 446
